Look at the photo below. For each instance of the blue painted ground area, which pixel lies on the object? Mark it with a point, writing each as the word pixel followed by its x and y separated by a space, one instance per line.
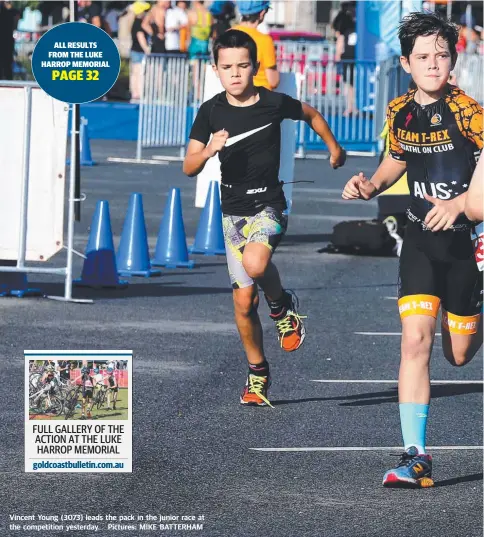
pixel 119 121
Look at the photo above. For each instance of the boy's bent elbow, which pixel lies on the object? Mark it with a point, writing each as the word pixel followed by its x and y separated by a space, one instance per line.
pixel 188 171
pixel 474 211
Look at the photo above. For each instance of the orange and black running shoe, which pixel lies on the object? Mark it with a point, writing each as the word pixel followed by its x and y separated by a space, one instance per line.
pixel 255 390
pixel 290 328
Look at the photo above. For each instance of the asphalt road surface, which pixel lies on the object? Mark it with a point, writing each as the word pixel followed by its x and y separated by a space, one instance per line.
pixel 310 467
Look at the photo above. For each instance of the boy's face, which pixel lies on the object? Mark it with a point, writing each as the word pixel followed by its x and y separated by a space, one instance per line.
pixel 430 63
pixel 235 70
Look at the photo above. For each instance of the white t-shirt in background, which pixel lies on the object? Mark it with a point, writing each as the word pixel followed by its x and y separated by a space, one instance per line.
pixel 175 18
pixel 99 379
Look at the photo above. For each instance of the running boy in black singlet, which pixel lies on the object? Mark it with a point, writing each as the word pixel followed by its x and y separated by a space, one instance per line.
pixel 246 126
pixel 436 135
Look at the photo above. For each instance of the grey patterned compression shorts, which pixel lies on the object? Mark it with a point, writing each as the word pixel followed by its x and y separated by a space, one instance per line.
pixel 267 227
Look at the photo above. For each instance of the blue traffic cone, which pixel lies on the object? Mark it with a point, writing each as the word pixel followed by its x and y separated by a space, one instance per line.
pixel 15 283
pixel 99 269
pixel 209 239
pixel 171 246
pixel 85 146
pixel 133 255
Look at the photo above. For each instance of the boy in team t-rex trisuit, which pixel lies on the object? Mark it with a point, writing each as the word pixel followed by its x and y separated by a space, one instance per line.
pixel 436 135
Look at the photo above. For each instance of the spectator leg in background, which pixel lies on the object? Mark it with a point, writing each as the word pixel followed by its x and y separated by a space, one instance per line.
pixel 6 64
pixel 135 80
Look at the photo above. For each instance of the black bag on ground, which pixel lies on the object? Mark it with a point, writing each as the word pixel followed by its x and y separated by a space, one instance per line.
pixel 369 237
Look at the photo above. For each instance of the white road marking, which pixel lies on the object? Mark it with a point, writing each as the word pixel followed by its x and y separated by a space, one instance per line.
pixel 136 161
pixel 324 199
pixel 390 297
pixel 168 158
pixel 366 448
pixel 354 381
pixel 383 333
pixel 328 217
pixel 157 326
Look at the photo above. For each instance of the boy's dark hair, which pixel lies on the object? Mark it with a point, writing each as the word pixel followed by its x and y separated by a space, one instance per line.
pixel 422 24
pixel 235 39
pixel 253 17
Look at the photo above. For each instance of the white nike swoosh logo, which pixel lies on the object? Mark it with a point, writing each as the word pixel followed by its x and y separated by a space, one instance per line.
pixel 238 137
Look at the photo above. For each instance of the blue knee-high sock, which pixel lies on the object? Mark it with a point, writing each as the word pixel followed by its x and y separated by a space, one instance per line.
pixel 413 420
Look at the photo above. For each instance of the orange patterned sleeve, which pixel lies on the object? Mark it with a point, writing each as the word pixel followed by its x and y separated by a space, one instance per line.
pixel 394 147
pixel 468 115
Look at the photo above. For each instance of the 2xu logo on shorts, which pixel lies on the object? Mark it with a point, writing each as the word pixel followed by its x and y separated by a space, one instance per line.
pixel 256 190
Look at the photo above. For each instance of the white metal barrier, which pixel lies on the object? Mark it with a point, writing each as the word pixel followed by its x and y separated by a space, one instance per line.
pixel 306 50
pixel 391 82
pixel 33 135
pixel 469 73
pixel 163 106
pixel 173 93
pixel 344 93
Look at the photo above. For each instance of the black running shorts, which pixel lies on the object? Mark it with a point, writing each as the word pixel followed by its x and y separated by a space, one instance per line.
pixel 440 269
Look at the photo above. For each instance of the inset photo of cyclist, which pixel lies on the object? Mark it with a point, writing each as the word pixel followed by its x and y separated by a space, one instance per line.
pixel 78 389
